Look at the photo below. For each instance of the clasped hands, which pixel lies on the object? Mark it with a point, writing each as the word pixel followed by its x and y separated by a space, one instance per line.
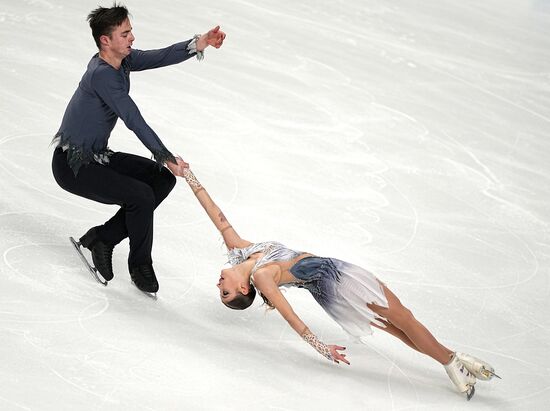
pixel 179 168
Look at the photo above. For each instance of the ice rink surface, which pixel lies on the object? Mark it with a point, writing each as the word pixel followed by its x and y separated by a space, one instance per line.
pixel 411 138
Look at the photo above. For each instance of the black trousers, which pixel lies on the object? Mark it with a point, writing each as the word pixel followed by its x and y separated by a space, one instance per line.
pixel 135 183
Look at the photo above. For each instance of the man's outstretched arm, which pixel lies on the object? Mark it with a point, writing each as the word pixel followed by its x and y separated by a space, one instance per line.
pixel 143 60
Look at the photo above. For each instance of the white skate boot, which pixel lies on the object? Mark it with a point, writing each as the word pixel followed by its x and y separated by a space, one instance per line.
pixel 480 369
pixel 460 376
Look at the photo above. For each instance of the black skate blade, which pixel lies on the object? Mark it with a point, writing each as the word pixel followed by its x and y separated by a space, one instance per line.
pixel 91 269
pixel 152 296
pixel 470 393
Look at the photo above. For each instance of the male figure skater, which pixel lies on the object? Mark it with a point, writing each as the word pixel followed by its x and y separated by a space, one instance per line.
pixel 83 164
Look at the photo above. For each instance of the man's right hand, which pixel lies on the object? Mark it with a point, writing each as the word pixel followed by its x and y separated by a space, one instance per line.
pixel 179 168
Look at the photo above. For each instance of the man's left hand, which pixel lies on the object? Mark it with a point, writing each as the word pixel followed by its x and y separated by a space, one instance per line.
pixel 214 37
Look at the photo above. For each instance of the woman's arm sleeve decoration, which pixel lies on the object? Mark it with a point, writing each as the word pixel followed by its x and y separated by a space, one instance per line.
pixel 320 346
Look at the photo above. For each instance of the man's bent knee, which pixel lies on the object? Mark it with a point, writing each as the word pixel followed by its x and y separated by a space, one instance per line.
pixel 144 198
pixel 168 178
pixel 165 182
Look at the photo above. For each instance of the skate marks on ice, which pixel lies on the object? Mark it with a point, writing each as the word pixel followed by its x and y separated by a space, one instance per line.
pixel 462 259
pixel 47 308
pixel 49 268
pixel 61 322
pixel 21 147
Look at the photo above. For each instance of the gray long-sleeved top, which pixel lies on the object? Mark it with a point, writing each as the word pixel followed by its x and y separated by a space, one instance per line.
pixel 102 97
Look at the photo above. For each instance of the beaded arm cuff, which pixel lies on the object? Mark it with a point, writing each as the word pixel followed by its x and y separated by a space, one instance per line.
pixel 192 180
pixel 321 347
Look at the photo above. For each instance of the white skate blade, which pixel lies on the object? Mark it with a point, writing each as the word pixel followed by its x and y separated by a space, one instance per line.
pixel 490 374
pixel 470 393
pixel 482 370
pixel 91 269
pixel 152 296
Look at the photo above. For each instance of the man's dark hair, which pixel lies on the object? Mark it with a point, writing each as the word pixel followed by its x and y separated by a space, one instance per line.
pixel 103 21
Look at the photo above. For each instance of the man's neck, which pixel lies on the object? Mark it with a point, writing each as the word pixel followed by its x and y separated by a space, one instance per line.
pixel 113 61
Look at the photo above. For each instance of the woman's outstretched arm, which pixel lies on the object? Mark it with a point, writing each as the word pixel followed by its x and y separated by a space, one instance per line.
pixel 230 236
pixel 264 281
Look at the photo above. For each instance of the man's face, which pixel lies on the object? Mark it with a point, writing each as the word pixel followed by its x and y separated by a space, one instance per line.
pixel 121 39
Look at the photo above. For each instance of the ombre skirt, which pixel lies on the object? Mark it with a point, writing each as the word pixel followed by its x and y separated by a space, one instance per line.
pixel 343 290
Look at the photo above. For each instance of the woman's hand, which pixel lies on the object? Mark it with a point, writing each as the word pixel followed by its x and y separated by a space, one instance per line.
pixel 336 355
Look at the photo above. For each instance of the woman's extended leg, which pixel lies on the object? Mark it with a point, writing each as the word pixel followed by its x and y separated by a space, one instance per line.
pixel 402 324
pixel 396 332
pixel 417 336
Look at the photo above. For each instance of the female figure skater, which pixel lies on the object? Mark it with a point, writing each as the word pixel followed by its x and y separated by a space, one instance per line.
pixel 352 296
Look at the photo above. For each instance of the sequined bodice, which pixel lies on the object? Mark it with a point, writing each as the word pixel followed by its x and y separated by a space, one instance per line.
pixel 272 250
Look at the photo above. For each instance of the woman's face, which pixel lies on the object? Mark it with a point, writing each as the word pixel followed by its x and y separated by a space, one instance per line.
pixel 228 284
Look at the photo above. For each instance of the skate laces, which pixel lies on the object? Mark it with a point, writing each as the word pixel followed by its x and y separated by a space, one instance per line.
pixel 105 252
pixel 102 256
pixel 144 272
pixel 144 278
pixel 465 371
pixel 147 272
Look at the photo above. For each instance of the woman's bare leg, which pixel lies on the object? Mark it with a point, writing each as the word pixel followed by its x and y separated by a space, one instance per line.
pixel 417 334
pixel 396 332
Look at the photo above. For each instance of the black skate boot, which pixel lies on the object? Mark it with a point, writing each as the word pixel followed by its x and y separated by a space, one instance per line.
pixel 102 254
pixel 144 278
